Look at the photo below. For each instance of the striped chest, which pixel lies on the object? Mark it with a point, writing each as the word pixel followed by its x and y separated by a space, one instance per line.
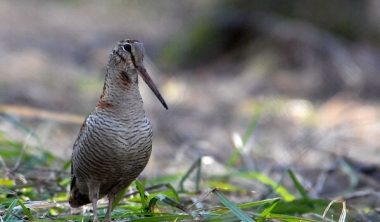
pixel 109 148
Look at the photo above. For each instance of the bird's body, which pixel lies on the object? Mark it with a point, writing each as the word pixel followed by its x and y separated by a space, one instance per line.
pixel 111 150
pixel 115 141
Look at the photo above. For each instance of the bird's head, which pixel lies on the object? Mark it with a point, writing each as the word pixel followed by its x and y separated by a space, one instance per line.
pixel 127 57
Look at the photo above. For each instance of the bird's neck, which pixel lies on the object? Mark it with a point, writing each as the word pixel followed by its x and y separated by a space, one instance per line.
pixel 121 96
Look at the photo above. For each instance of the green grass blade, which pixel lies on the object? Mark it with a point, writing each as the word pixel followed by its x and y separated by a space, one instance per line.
pixel 166 217
pixel 9 209
pixel 289 218
pixel 67 165
pixel 298 185
pixel 170 178
pixel 164 199
pixel 119 196
pixel 6 182
pixel 232 206
pixel 235 156
pixel 266 212
pixel 301 206
pixel 196 166
pixel 248 205
pixel 279 189
pixel 141 190
pixel 257 203
pixel 352 175
pixel 4 190
pixel 25 210
pixel 171 188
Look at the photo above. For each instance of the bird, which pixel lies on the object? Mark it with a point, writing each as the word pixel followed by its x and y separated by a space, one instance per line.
pixel 115 141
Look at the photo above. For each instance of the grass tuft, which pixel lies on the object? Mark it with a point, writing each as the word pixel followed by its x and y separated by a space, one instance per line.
pixel 25 195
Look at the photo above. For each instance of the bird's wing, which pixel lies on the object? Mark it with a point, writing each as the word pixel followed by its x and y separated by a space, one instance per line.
pixel 77 199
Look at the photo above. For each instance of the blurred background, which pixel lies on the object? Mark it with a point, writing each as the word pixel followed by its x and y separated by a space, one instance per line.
pixel 263 85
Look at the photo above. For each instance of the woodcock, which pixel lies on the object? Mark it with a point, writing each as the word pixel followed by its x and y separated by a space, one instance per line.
pixel 115 141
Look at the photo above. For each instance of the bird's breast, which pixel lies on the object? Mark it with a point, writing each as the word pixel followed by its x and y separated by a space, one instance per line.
pixel 111 148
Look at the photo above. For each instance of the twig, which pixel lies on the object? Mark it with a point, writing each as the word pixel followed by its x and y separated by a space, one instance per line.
pixel 201 199
pixel 19 159
pixel 4 165
pixel 29 112
pixel 322 178
pixel 135 192
pixel 361 193
pixel 196 166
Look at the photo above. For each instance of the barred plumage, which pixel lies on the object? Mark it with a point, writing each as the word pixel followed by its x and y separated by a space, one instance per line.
pixel 115 141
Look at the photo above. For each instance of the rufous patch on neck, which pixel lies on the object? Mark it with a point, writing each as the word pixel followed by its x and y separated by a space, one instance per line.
pixel 125 80
pixel 103 104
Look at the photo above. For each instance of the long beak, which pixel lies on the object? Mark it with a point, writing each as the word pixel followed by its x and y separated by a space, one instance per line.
pixel 144 74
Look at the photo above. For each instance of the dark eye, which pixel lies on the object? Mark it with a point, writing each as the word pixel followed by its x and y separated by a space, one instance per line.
pixel 127 47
